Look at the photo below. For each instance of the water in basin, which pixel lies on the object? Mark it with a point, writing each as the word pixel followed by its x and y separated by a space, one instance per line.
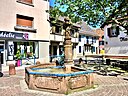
pixel 52 70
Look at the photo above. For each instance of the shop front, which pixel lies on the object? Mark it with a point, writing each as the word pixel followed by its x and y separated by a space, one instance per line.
pixel 16 47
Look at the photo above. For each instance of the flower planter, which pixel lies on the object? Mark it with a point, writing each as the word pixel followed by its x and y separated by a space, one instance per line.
pixel 18 63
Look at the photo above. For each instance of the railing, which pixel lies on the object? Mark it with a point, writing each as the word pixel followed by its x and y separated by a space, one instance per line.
pixel 27 60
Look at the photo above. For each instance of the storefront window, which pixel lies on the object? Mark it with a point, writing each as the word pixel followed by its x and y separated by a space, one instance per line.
pixel 61 50
pixel 24 50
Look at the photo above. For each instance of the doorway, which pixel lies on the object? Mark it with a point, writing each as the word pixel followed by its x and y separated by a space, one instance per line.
pixel 54 50
pixel 1 52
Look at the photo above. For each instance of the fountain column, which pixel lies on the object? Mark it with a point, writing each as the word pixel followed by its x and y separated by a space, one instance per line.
pixel 67 45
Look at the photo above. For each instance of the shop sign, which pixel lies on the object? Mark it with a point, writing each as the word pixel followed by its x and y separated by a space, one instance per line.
pixel 123 39
pixel 7 35
pixel 13 35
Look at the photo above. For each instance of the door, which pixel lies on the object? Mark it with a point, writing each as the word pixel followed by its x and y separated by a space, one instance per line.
pixel 54 50
pixel 1 54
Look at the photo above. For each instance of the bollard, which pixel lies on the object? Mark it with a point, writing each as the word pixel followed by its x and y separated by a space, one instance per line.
pixel 12 70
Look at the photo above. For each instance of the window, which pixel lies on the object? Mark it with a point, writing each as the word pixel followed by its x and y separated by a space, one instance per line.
pixel 72 32
pixel 94 40
pixel 87 48
pixel 102 37
pixel 58 29
pixel 54 50
pixel 24 23
pixel 61 50
pixel 113 32
pixel 79 49
pixel 101 42
pixel 92 49
pixel 25 1
pixel 26 49
pixel 87 39
pixel 80 38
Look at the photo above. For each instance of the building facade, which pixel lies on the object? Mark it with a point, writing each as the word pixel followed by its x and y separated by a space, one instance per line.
pixel 24 31
pixel 100 32
pixel 116 40
pixel 88 41
pixel 57 35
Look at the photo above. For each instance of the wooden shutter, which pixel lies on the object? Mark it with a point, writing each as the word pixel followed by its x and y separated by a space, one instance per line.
pixel 27 1
pixel 109 32
pixel 24 21
pixel 117 30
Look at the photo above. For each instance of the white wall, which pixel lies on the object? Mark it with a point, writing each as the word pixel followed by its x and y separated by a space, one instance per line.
pixel 83 41
pixel 9 9
pixel 114 44
pixel 115 41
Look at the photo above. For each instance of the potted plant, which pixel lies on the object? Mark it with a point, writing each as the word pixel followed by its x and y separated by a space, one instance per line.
pixel 18 57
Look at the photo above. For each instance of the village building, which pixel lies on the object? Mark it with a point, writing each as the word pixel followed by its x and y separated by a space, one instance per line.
pixel 100 32
pixel 57 35
pixel 24 31
pixel 88 41
pixel 116 40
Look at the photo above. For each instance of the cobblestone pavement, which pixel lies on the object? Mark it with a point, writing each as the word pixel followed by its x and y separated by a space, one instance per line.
pixel 106 86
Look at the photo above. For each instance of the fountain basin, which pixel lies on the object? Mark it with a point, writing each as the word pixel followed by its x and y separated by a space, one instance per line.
pixel 49 79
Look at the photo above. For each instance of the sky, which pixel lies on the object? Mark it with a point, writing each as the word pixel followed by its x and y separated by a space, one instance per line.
pixel 52 2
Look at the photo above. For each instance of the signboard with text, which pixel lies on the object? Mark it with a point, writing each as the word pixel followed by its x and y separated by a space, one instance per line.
pixel 13 35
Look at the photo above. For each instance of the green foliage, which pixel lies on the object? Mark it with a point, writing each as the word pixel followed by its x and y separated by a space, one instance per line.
pixel 94 12
pixel 18 54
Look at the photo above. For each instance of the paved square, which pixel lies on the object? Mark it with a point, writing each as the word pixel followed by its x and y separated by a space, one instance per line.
pixel 106 86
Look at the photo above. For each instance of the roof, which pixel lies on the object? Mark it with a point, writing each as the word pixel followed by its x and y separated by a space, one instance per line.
pixel 99 32
pixel 61 19
pixel 85 29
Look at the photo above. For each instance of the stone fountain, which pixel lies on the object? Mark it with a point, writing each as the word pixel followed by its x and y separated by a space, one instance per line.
pixel 59 79
pixel 67 45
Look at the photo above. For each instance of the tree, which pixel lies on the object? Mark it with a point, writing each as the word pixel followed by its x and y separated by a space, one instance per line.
pixel 94 12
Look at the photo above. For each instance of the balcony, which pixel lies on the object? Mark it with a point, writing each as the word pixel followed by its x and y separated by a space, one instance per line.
pixel 56 37
pixel 60 38
pixel 75 40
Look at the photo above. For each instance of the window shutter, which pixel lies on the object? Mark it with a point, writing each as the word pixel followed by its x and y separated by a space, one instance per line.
pixel 109 32
pixel 117 30
pixel 24 21
pixel 79 49
pixel 27 1
pixel 87 39
pixel 80 38
pixel 60 29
